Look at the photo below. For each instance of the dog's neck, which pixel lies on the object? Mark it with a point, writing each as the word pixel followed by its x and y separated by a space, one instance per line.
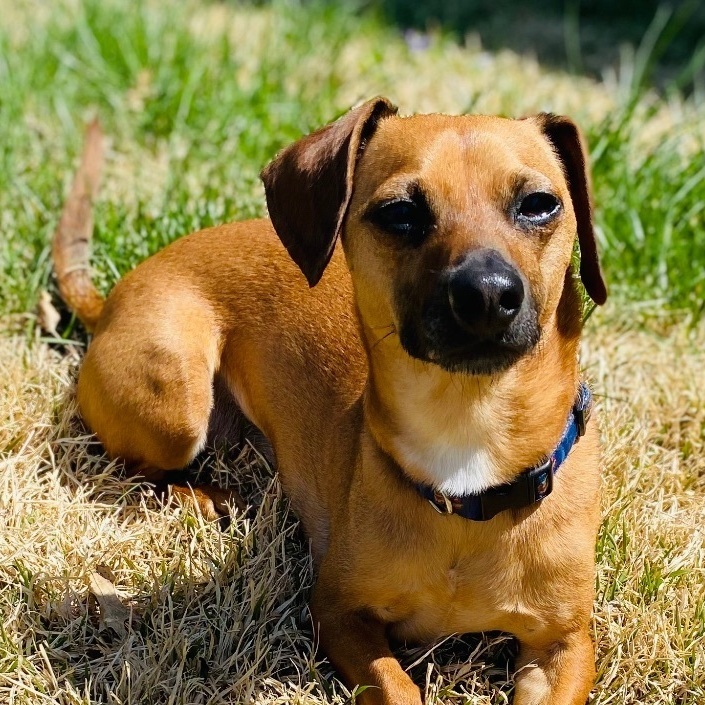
pixel 460 433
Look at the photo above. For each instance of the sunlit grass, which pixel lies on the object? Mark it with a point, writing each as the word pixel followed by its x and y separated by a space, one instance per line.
pixel 198 97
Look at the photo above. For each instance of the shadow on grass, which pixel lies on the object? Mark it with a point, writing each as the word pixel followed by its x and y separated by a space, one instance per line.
pixel 582 36
pixel 222 615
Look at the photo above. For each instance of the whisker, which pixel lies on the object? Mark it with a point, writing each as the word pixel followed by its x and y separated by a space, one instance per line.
pixel 384 337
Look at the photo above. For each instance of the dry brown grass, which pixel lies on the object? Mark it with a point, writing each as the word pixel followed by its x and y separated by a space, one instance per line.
pixel 219 616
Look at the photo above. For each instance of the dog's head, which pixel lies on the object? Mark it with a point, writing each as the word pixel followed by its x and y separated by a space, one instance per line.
pixel 458 231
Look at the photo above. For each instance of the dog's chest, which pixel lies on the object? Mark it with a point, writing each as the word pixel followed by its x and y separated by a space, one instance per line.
pixel 450 590
pixel 467 595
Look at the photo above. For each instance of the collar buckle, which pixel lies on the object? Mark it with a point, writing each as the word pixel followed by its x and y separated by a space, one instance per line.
pixel 541 480
pixel 529 488
pixel 580 420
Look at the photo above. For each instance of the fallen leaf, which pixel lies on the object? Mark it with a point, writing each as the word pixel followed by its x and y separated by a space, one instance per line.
pixel 113 614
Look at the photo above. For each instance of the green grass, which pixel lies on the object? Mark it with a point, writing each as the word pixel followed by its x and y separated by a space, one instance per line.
pixel 204 106
pixel 195 111
pixel 651 211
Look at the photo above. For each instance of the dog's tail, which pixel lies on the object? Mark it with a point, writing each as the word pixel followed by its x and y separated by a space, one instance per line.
pixel 71 246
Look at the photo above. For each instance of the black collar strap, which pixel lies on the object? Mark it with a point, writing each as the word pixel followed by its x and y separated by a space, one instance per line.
pixel 533 485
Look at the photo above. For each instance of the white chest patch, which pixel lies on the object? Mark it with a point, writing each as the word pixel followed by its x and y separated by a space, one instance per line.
pixel 453 471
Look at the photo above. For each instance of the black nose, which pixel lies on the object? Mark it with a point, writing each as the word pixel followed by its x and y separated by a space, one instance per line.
pixel 485 293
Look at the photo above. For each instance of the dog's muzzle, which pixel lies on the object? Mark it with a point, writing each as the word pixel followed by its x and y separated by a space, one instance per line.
pixel 478 317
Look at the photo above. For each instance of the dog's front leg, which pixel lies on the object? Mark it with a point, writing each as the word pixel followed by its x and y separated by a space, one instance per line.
pixel 561 673
pixel 357 646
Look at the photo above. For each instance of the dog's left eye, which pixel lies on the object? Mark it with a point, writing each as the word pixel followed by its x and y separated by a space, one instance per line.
pixel 539 207
pixel 405 218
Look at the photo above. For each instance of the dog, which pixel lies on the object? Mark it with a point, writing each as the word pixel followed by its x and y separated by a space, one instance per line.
pixel 404 331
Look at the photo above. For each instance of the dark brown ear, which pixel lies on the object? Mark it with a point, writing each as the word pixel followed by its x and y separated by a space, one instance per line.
pixel 309 185
pixel 566 139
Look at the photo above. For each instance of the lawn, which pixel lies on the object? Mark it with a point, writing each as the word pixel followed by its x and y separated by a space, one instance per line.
pixel 196 97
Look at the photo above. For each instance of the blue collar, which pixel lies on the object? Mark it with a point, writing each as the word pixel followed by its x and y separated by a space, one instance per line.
pixel 531 486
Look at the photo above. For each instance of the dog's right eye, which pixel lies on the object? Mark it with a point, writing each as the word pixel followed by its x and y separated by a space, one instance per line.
pixel 538 208
pixel 407 219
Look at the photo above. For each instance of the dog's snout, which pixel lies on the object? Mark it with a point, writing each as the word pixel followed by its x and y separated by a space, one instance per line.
pixel 485 293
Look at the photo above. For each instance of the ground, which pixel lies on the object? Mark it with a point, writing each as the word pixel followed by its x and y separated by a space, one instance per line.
pixel 108 596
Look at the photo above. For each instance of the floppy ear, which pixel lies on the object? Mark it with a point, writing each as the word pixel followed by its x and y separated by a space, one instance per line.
pixel 309 185
pixel 566 139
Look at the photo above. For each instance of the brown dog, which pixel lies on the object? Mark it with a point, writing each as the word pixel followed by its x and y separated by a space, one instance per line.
pixel 436 359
